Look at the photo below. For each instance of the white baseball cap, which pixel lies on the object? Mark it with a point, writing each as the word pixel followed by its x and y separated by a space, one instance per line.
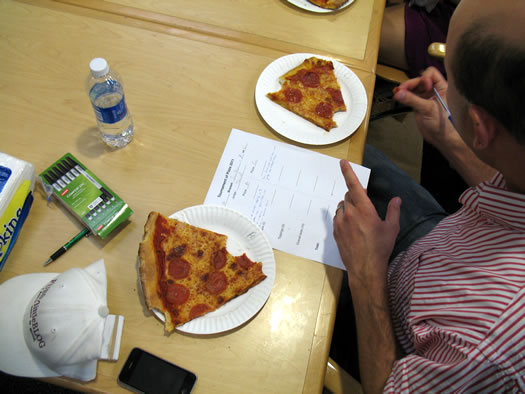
pixel 58 324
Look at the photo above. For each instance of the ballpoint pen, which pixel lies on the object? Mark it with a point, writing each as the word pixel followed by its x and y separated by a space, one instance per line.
pixel 62 250
pixel 443 105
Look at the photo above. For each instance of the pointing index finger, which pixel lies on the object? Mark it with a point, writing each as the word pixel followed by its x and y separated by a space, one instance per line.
pixel 352 182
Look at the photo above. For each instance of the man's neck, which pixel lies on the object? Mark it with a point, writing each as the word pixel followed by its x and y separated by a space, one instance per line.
pixel 511 164
pixel 514 187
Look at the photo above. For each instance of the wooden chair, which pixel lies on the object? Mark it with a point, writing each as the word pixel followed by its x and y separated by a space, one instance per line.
pixel 392 74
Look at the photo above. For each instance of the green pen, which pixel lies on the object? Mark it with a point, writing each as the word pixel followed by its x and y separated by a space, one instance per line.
pixel 62 250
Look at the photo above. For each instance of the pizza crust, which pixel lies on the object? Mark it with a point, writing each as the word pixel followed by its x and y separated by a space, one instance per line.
pixel 148 267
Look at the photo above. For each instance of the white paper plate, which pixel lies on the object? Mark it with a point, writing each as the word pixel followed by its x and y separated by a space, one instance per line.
pixel 306 5
pixel 244 236
pixel 296 128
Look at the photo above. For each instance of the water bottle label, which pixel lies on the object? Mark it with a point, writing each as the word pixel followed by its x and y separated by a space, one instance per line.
pixel 112 114
pixel 108 101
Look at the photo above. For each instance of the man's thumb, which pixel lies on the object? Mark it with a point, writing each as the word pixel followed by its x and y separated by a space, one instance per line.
pixel 393 212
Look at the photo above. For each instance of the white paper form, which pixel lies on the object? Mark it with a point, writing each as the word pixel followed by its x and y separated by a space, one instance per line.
pixel 291 193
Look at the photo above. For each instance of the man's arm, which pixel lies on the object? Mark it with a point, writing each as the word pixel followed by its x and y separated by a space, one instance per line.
pixel 437 130
pixel 365 243
pixel 375 336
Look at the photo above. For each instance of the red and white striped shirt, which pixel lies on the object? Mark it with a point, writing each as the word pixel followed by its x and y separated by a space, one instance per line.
pixel 457 299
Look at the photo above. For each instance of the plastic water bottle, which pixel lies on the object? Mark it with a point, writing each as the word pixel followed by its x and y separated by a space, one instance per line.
pixel 106 94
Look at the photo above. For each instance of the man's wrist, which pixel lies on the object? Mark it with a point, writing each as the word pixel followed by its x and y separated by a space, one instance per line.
pixel 367 288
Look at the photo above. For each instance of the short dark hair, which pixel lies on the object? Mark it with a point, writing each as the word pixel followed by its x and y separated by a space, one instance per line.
pixel 490 72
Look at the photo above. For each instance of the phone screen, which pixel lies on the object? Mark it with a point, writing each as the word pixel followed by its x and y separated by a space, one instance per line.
pixel 146 373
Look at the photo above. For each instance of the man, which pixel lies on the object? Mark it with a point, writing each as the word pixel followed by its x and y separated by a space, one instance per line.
pixel 447 313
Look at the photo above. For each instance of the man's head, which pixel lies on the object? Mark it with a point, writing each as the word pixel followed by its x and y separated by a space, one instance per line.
pixel 486 64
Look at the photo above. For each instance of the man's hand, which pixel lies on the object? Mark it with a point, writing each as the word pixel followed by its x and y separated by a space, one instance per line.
pixel 365 241
pixel 435 127
pixel 431 119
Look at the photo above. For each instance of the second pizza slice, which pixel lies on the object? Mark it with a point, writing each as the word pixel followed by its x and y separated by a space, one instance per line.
pixel 311 90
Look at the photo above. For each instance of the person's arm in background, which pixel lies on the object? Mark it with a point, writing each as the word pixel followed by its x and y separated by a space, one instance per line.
pixel 435 127
pixel 365 243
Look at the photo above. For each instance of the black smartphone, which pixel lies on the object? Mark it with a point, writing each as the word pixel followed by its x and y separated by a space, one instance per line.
pixel 144 372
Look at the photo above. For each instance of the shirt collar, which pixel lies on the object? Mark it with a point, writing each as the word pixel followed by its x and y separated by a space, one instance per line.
pixel 493 200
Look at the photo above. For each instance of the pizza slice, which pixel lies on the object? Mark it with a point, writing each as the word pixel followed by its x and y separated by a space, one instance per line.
pixel 329 4
pixel 311 90
pixel 186 271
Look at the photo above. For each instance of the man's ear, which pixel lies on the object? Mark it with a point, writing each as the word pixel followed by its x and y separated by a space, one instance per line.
pixel 484 127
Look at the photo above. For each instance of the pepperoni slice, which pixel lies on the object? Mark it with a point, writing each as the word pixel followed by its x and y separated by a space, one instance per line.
pixel 177 294
pixel 293 95
pixel 324 110
pixel 216 282
pixel 178 268
pixel 325 69
pixel 219 260
pixel 244 261
pixel 311 79
pixel 336 95
pixel 198 310
pixel 296 77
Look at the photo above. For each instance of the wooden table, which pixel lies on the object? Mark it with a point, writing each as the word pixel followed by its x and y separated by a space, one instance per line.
pixel 350 35
pixel 184 105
